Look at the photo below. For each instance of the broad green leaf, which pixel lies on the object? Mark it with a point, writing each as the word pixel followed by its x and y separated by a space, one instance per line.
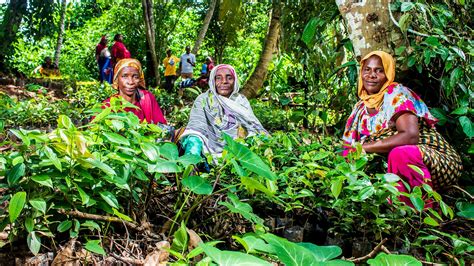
pixel 407 6
pixel 418 202
pixel 291 254
pixel 84 197
pixel 164 167
pixel 169 151
pixel 252 185
pixel 309 31
pixel 467 126
pixel 430 221
pixel 43 180
pixel 460 110
pixel 232 258
pixel 102 166
pixel 459 52
pixel 14 175
pixel 91 224
pixel 109 198
pixel 322 253
pixel 198 250
pixel 197 185
pixel 102 115
pixel 180 241
pixel 39 204
pixel 140 175
pixel 29 224
pixel 336 186
pixel 65 122
pixel 466 210
pixel 404 23
pixel 365 193
pixel 447 211
pixel 391 178
pixel 252 244
pixel 53 157
pixel 122 216
pixel 94 246
pixel 64 226
pixel 248 159
pixel 241 208
pixel 416 169
pixel 34 243
pixel 189 159
pixel 116 138
pixel 440 114
pixel 16 205
pixel 19 134
pixel 432 41
pixel 384 259
pixel 150 151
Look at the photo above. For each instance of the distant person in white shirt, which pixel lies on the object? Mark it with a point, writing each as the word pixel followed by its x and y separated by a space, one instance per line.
pixel 187 63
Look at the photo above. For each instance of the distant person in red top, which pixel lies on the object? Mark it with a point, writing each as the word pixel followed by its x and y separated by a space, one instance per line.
pixel 203 80
pixel 101 60
pixel 119 51
pixel 130 83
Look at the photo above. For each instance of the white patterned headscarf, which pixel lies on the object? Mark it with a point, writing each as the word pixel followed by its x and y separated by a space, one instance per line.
pixel 213 114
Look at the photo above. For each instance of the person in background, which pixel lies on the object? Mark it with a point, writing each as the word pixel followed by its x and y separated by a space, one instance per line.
pixel 119 51
pixel 47 68
pixel 170 63
pixel 98 58
pixel 106 72
pixel 203 80
pixel 129 82
pixel 220 110
pixel 391 119
pixel 187 64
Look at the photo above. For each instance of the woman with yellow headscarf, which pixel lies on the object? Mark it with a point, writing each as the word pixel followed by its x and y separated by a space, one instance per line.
pixel 391 119
pixel 129 81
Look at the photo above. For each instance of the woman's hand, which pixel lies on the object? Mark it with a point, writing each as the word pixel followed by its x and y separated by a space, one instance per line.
pixel 407 134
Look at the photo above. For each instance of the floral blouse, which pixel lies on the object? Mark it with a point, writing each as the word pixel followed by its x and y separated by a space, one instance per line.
pixel 397 100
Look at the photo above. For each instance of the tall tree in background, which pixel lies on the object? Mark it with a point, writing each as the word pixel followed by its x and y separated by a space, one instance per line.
pixel 204 27
pixel 59 44
pixel 255 82
pixel 11 23
pixel 368 23
pixel 150 36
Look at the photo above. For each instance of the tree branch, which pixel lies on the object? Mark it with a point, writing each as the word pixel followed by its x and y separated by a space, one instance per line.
pixel 372 254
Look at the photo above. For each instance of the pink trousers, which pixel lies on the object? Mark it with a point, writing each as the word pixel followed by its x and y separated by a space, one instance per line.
pixel 399 160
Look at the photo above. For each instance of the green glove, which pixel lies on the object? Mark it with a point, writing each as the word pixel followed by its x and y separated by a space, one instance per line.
pixel 192 145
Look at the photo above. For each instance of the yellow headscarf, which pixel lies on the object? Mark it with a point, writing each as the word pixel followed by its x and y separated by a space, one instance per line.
pixel 128 62
pixel 376 100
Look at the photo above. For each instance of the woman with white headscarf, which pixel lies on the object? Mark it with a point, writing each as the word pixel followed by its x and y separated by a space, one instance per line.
pixel 220 110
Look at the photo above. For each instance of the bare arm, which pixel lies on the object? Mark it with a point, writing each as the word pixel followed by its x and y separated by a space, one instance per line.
pixel 407 134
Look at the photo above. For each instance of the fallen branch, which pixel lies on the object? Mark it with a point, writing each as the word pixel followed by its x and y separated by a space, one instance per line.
pixel 467 193
pixel 371 254
pixel 128 260
pixel 111 219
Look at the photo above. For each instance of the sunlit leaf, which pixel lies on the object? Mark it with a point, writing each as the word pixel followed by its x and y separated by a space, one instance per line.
pixel 94 246
pixel 16 205
pixel 197 185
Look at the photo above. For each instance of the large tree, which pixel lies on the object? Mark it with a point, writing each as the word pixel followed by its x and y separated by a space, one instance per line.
pixel 204 27
pixel 150 36
pixel 255 82
pixel 11 23
pixel 59 44
pixel 368 24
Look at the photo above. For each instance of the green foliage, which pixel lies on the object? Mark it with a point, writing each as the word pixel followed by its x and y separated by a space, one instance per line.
pixel 390 259
pixel 443 56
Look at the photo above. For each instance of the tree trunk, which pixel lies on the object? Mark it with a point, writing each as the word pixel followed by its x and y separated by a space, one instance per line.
pixel 205 26
pixel 368 24
pixel 10 25
pixel 255 82
pixel 150 36
pixel 59 44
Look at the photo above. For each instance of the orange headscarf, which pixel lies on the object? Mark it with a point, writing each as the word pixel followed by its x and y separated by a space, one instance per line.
pixel 128 62
pixel 376 100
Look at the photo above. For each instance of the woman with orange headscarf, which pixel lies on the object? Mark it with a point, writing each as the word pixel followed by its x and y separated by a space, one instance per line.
pixel 391 119
pixel 130 83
